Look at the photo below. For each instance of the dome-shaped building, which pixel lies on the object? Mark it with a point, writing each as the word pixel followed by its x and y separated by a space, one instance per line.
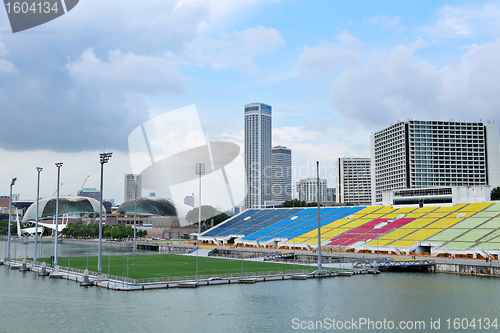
pixel 67 205
pixel 149 205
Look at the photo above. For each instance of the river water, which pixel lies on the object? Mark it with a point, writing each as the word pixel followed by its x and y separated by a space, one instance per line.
pixel 30 303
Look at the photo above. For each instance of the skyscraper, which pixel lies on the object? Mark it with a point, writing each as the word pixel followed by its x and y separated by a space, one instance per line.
pixel 130 182
pixel 353 183
pixel 282 173
pixel 258 170
pixel 423 154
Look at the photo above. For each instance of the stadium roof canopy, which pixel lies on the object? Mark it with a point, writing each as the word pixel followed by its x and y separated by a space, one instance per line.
pixel 67 205
pixel 149 205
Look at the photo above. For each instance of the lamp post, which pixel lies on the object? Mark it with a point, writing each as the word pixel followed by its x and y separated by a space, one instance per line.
pixel 200 171
pixel 38 169
pixel 319 219
pixel 58 166
pixel 10 217
pixel 135 211
pixel 104 159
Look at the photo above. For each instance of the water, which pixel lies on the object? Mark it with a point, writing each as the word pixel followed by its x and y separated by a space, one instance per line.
pixel 30 303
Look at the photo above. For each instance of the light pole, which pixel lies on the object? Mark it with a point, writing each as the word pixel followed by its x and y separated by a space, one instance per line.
pixel 58 166
pixel 200 171
pixel 10 217
pixel 319 219
pixel 135 211
pixel 104 159
pixel 38 169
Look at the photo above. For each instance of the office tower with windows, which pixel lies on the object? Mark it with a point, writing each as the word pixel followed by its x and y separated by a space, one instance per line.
pixel 281 158
pixel 258 168
pixel 130 190
pixel 353 183
pixel 308 190
pixel 426 154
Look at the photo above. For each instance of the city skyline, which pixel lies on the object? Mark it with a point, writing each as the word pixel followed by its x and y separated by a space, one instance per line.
pixel 332 82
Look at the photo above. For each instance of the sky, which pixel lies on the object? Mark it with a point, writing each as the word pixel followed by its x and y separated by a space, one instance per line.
pixel 333 71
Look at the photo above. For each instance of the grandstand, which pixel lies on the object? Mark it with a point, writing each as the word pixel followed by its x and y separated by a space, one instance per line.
pixel 464 229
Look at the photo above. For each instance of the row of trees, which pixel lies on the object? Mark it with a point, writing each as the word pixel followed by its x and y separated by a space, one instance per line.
pixel 91 230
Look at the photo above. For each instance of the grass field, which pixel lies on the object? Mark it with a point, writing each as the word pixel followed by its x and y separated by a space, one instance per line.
pixel 169 265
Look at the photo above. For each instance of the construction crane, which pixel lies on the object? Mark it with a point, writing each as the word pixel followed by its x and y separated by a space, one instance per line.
pixel 85 181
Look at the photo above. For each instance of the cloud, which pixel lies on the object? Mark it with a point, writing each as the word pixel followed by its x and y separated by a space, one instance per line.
pixel 388 22
pixel 466 21
pixel 133 73
pixel 237 49
pixel 7 68
pixel 327 58
pixel 403 86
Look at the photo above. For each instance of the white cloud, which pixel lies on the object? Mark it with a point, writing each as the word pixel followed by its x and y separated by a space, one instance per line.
pixel 135 73
pixel 260 40
pixel 403 86
pixel 7 68
pixel 388 22
pixel 327 58
pixel 466 21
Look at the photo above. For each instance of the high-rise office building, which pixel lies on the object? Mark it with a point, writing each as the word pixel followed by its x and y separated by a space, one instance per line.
pixel 330 194
pixel 353 183
pixel 281 160
pixel 130 186
pixel 308 190
pixel 426 154
pixel 258 170
pixel 189 200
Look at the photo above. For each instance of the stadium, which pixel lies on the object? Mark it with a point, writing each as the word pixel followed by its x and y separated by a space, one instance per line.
pixel 462 230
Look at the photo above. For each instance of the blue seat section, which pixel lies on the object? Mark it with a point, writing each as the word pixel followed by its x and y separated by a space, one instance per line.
pixel 255 219
pixel 293 228
pixel 296 218
pixel 278 215
pixel 235 221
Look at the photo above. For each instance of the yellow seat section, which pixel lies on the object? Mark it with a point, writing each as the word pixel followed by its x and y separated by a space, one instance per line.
pixel 386 210
pixel 368 210
pixel 406 210
pixel 418 223
pixel 357 223
pixel 451 209
pixel 381 242
pixel 476 207
pixel 403 243
pixel 414 215
pixel 443 223
pixel 398 233
pixel 438 215
pixel 422 234
pixel 426 209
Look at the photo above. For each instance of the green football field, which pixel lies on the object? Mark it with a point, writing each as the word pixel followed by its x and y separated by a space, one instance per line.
pixel 169 265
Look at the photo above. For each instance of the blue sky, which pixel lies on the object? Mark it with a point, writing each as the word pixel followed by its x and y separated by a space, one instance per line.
pixel 334 72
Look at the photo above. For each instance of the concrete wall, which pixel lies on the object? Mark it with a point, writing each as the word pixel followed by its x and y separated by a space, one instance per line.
pixel 468 269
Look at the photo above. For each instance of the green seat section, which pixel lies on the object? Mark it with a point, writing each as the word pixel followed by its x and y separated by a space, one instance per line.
pixel 491 224
pixel 473 235
pixel 458 245
pixel 470 223
pixel 447 235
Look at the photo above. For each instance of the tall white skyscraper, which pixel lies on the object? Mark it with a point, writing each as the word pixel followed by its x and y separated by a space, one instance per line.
pixel 282 173
pixel 258 169
pixel 130 186
pixel 427 154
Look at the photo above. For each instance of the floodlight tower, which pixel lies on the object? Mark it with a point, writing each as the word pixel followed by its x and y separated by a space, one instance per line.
pixel 319 220
pixel 35 259
pixel 58 166
pixel 200 171
pixel 104 159
pixel 10 217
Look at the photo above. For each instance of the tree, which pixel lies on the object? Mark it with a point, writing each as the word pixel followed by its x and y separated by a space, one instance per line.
pixel 495 193
pixel 207 212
